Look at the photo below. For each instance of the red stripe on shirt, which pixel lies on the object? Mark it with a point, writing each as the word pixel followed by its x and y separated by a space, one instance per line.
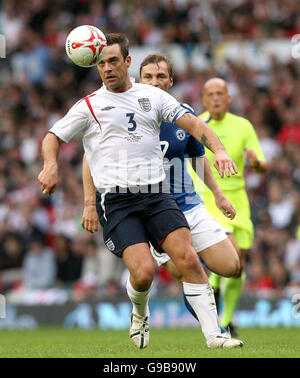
pixel 87 100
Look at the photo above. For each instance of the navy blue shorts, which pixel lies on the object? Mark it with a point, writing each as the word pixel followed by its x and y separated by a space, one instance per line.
pixel 128 219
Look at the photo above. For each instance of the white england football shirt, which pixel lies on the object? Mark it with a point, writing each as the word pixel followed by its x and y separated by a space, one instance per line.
pixel 121 133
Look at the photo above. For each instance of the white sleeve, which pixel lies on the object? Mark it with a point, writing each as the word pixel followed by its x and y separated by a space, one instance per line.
pixel 74 122
pixel 171 108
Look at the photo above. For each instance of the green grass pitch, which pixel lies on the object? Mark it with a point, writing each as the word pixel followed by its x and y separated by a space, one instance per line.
pixel 164 343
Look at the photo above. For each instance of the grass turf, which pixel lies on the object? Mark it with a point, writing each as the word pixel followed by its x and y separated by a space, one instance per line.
pixel 164 343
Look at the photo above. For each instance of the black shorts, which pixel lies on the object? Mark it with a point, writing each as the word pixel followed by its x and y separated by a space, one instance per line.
pixel 129 219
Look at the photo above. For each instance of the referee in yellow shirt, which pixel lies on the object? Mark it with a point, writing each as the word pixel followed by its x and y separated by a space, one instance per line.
pixel 241 142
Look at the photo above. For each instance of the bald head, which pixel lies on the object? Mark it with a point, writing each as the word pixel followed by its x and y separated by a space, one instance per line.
pixel 215 82
pixel 216 98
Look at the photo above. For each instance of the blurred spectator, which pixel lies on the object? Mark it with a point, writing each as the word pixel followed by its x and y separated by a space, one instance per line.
pixel 62 254
pixel 39 265
pixel 11 257
pixel 258 277
pixel 281 207
pixel 278 273
pixel 290 131
pixel 292 265
pixel 271 148
pixel 292 255
pixel 11 251
pixel 111 267
pixel 69 257
pixel 101 271
pixel 12 22
pixel 91 268
pixel 32 62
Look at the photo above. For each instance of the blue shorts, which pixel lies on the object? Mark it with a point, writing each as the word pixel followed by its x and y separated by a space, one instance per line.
pixel 129 219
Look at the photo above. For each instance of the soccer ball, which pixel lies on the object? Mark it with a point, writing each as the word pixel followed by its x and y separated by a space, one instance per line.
pixel 86 45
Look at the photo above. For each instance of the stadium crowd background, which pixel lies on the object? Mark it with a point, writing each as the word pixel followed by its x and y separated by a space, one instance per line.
pixel 42 244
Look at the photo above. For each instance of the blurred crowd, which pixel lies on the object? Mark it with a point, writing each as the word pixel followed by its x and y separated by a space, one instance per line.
pixel 161 21
pixel 42 244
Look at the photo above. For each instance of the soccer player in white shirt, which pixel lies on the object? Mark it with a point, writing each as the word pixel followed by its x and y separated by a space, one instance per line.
pixel 120 125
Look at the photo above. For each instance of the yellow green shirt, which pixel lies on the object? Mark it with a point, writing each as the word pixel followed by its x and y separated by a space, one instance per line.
pixel 236 133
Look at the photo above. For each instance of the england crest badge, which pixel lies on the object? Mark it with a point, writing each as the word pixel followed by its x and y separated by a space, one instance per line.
pixel 145 104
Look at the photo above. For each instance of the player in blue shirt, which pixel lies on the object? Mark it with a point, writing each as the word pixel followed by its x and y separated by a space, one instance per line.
pixel 177 145
pixel 209 238
pixel 216 250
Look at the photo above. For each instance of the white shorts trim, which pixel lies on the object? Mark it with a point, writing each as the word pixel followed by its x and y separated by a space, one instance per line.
pixel 205 230
pixel 102 195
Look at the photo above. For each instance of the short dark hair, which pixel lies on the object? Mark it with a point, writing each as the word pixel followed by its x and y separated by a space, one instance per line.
pixel 121 40
pixel 157 58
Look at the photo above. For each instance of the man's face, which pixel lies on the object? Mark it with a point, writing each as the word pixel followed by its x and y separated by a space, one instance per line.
pixel 156 74
pixel 215 97
pixel 113 69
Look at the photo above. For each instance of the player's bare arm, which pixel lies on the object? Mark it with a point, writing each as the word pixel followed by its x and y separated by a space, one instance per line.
pixel 205 135
pixel 49 175
pixel 89 219
pixel 209 179
pixel 259 166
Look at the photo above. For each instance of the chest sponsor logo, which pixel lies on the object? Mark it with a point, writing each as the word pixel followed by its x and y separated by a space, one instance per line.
pixel 145 104
pixel 180 135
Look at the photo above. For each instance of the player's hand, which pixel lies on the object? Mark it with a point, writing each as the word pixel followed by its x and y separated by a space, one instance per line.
pixel 224 163
pixel 90 218
pixel 225 206
pixel 250 156
pixel 48 179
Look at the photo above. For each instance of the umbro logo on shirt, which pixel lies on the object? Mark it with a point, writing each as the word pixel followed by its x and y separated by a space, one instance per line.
pixel 108 108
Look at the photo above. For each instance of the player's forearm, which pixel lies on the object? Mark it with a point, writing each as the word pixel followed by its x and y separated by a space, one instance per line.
pixel 50 149
pixel 48 177
pixel 201 131
pixel 90 217
pixel 89 189
pixel 258 166
pixel 209 178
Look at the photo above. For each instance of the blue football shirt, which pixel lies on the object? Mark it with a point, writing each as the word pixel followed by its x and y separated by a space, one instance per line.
pixel 177 144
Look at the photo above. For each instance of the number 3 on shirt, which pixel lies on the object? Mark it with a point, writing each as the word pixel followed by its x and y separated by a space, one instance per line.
pixel 131 120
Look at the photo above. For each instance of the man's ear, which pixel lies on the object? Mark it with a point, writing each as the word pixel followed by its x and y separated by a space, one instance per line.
pixel 128 61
